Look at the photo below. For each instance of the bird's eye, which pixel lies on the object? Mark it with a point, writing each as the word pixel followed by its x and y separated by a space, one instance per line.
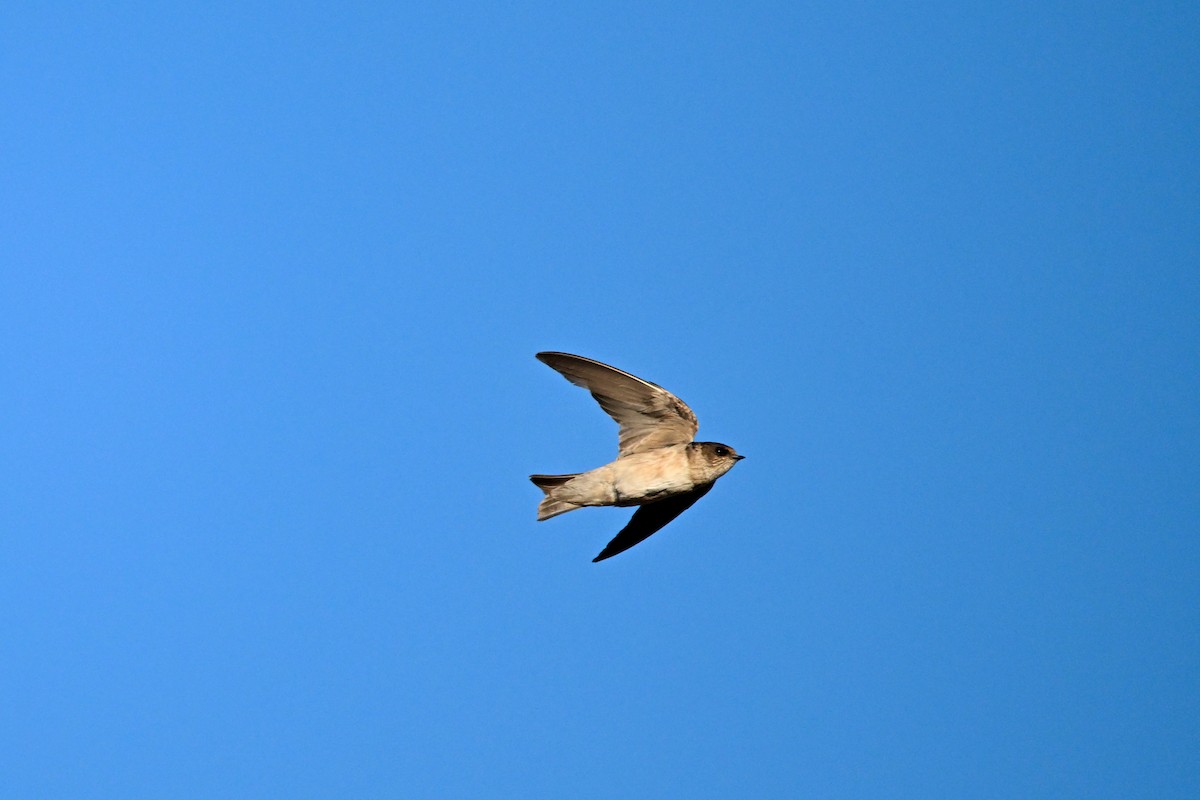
pixel 722 451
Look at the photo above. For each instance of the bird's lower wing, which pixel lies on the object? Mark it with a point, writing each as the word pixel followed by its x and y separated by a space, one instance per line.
pixel 649 519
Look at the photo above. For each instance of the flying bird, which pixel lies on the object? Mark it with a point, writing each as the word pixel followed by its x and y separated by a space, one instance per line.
pixel 659 468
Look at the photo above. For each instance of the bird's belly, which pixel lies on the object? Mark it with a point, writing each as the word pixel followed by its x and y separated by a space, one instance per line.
pixel 651 476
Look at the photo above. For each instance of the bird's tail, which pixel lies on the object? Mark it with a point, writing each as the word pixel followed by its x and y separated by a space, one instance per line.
pixel 551 507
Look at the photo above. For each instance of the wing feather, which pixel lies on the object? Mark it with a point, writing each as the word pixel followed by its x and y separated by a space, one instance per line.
pixel 650 519
pixel 648 415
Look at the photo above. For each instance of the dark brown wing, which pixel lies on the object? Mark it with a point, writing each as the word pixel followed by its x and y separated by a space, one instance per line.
pixel 649 415
pixel 650 519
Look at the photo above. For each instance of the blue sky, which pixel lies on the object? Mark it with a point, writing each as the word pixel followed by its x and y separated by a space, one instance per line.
pixel 275 276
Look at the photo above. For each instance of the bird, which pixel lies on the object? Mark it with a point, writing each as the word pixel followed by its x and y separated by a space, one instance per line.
pixel 659 467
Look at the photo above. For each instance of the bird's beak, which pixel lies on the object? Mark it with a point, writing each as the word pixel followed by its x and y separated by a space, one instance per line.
pixel 738 458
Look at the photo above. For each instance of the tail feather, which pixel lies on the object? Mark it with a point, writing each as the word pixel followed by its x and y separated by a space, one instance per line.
pixel 548 482
pixel 551 507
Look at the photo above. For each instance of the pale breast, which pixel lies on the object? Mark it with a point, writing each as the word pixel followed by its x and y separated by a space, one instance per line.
pixel 650 476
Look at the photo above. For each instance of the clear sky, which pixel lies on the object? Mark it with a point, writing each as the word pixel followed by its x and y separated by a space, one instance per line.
pixel 273 280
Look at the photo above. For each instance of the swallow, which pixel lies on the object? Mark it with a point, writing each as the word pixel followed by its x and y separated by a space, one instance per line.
pixel 659 468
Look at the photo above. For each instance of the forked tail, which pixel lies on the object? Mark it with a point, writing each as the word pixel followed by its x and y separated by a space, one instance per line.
pixel 550 507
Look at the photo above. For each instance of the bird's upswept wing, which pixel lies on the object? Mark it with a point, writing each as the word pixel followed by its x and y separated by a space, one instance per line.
pixel 650 417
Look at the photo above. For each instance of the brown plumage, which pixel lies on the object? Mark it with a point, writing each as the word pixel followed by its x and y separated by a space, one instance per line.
pixel 658 467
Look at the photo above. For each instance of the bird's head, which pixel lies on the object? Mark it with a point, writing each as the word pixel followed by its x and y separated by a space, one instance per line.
pixel 717 458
